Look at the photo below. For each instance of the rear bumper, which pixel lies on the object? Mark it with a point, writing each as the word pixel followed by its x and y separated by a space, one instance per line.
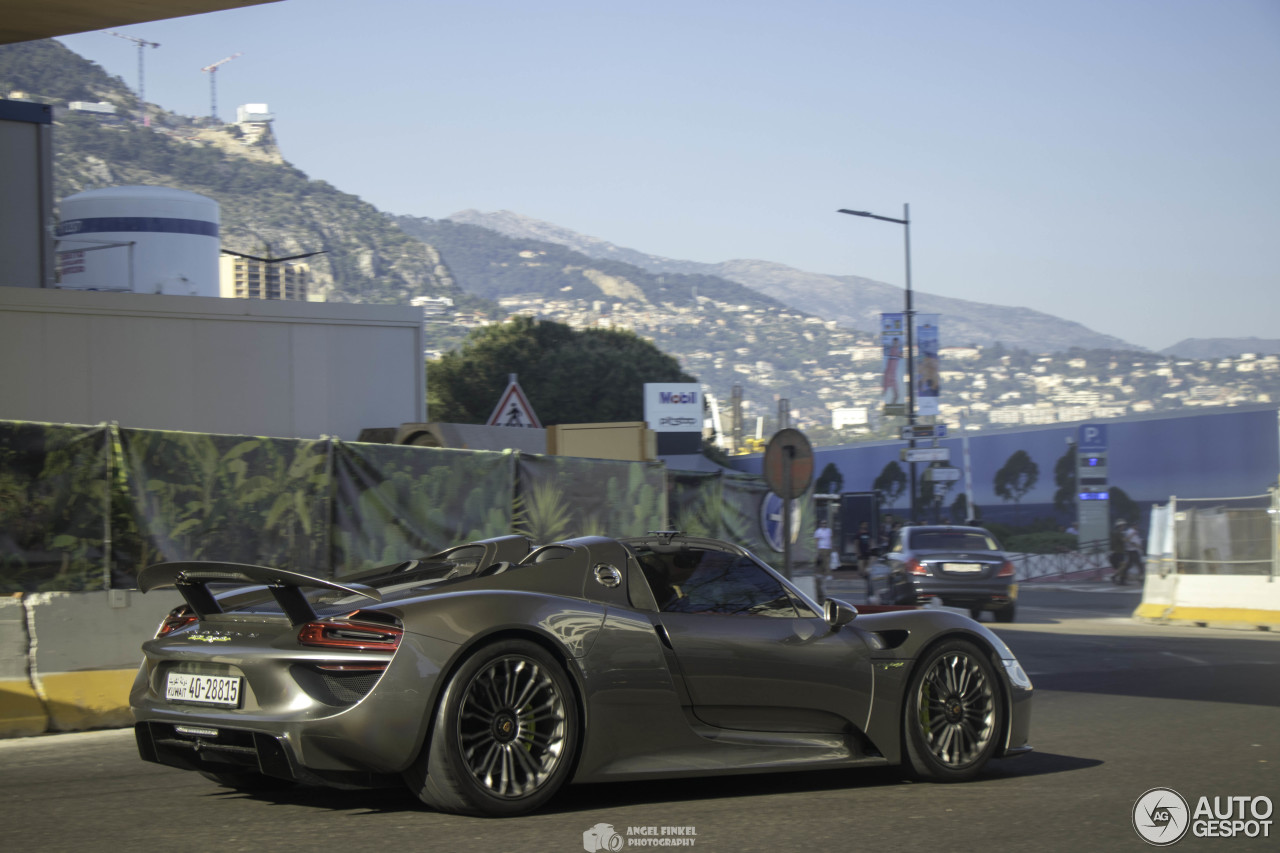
pixel 223 750
pixel 988 596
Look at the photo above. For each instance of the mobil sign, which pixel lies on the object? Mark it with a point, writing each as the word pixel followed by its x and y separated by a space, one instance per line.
pixel 673 406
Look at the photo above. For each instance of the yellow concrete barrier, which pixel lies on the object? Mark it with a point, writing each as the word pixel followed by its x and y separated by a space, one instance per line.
pixel 22 713
pixel 1236 617
pixel 92 699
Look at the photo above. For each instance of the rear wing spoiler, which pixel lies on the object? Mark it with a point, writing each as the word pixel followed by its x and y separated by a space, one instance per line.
pixel 192 580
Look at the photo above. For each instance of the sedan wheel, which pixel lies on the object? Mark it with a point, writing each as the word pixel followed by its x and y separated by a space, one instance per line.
pixel 953 713
pixel 504 739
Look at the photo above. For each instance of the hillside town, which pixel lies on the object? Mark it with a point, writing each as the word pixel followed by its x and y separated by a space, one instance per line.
pixel 831 376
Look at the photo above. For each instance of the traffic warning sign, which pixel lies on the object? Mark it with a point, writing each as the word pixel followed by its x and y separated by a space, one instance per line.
pixel 513 408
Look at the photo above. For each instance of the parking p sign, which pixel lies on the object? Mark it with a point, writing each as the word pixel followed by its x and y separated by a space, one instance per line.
pixel 1092 437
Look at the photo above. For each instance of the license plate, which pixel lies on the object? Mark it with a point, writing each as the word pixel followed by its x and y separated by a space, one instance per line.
pixel 203 689
pixel 962 567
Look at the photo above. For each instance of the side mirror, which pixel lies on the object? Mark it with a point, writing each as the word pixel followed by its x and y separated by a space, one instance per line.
pixel 838 613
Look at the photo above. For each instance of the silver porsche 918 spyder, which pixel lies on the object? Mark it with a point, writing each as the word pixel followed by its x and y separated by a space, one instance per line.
pixel 489 675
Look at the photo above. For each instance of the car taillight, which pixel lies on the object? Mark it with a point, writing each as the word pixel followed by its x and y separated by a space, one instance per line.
pixel 915 567
pixel 356 636
pixel 1006 570
pixel 179 617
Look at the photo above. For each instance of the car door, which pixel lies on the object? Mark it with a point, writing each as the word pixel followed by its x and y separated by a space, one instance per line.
pixel 752 655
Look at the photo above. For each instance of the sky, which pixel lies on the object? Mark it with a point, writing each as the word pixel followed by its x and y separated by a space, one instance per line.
pixel 1111 162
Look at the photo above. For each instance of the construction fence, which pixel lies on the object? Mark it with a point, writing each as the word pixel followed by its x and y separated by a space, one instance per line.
pixel 1216 536
pixel 84 508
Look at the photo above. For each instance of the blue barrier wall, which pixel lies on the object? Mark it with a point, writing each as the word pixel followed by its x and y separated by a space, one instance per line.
pixel 1221 452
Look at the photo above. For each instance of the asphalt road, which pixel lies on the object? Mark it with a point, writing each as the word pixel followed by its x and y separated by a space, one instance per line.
pixel 1121 708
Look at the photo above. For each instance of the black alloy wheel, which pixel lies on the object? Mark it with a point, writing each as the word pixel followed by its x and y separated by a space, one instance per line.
pixel 506 734
pixel 953 714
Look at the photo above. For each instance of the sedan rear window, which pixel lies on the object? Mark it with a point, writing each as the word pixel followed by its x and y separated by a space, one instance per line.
pixel 948 540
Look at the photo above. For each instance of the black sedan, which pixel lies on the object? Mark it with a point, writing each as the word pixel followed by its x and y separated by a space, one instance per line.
pixel 488 676
pixel 956 566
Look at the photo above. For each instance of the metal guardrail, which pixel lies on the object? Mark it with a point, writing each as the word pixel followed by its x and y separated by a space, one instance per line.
pixel 1089 563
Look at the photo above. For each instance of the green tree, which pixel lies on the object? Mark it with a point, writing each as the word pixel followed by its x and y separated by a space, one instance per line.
pixel 1016 478
pixel 1064 477
pixel 830 481
pixel 569 376
pixel 891 483
pixel 960 509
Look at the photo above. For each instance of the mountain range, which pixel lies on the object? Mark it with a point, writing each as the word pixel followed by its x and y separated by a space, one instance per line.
pixel 852 301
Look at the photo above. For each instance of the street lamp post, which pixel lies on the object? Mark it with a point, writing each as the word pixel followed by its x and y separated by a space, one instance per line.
pixel 905 222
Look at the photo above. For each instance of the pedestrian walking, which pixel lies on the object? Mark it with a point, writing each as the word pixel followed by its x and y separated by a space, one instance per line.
pixel 1133 552
pixel 1116 556
pixel 865 547
pixel 822 542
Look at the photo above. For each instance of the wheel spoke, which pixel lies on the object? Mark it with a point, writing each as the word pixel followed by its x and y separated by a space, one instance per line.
pixel 533 683
pixel 954 673
pixel 514 673
pixel 484 767
pixel 486 700
pixel 531 768
pixel 963 678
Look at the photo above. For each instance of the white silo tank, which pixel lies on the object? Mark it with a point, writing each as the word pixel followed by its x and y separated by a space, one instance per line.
pixel 140 239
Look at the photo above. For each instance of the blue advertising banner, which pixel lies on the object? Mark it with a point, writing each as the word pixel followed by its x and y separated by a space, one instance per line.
pixel 927 377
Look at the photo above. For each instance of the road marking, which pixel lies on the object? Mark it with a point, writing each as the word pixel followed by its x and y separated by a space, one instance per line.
pixel 1195 661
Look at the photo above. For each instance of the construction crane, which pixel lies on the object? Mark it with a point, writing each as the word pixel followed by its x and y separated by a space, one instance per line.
pixel 142 88
pixel 213 83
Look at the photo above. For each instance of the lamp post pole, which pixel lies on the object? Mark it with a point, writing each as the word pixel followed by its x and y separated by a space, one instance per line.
pixel 905 222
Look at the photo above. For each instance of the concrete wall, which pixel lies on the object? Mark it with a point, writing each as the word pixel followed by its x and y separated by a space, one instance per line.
pixel 237 366
pixel 68 659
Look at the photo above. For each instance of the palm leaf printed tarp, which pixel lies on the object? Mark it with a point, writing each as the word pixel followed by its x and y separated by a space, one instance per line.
pixel 731 506
pixel 54 507
pixel 389 505
pixel 240 499
pixel 562 496
pixel 86 507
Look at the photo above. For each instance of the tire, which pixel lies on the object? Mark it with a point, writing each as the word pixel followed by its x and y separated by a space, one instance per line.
pixel 953 714
pixel 1007 613
pixel 247 780
pixel 975 613
pixel 505 737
